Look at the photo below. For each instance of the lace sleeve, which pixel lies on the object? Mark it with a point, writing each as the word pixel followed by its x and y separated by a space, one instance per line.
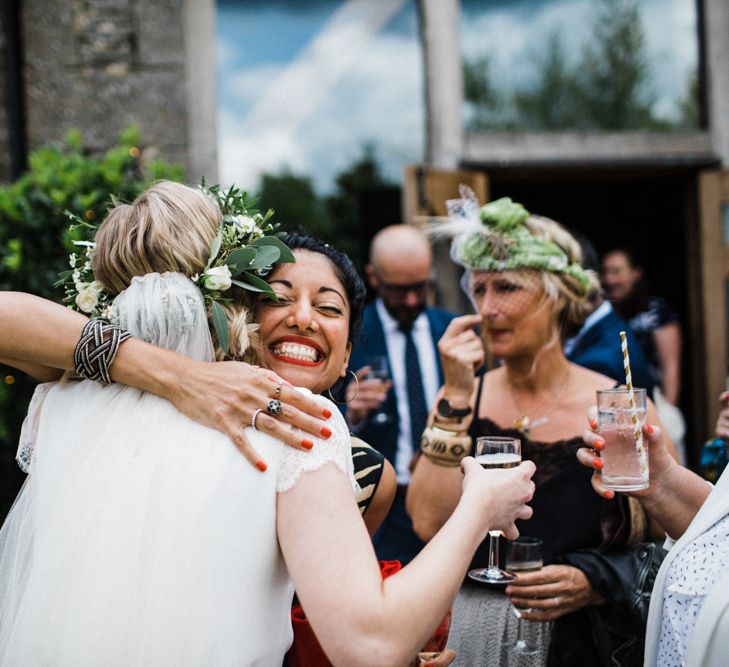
pixel 337 449
pixel 29 429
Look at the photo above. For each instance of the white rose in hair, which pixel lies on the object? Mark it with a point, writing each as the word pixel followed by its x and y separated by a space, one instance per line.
pixel 87 299
pixel 245 224
pixel 218 278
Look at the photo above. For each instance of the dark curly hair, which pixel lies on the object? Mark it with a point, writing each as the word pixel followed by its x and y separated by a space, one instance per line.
pixel 343 268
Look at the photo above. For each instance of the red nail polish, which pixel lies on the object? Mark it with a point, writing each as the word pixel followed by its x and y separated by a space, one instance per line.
pixel 599 444
pixel 609 494
pixel 325 431
pixel 326 413
pixel 307 444
pixel 650 429
pixel 593 424
pixel 261 465
pixel 598 464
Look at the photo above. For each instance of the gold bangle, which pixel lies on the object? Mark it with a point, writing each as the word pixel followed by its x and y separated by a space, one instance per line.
pixel 444 447
pixel 452 425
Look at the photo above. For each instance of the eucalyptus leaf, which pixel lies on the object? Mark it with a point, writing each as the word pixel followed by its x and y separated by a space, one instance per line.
pixel 220 322
pixel 241 258
pixel 215 247
pixel 286 255
pixel 265 256
pixel 259 284
pixel 249 287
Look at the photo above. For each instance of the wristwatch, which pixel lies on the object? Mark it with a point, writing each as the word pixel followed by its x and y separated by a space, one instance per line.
pixel 447 411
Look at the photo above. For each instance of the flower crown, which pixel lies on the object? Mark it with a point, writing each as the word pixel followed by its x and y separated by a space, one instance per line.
pixel 245 248
pixel 495 237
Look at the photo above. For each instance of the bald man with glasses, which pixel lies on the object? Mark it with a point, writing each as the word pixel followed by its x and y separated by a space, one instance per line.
pixel 399 326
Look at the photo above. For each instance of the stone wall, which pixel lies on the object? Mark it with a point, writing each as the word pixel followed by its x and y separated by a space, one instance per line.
pixel 101 65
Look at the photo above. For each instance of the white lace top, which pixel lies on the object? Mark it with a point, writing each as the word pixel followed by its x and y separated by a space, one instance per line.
pixel 689 580
pixel 29 429
pixel 294 462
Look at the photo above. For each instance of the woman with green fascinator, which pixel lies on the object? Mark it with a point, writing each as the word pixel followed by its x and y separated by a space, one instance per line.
pixel 588 602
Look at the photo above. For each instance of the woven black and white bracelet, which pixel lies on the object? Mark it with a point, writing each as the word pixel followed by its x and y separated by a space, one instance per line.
pixel 97 348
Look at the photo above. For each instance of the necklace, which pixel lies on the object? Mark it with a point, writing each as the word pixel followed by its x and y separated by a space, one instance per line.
pixel 525 423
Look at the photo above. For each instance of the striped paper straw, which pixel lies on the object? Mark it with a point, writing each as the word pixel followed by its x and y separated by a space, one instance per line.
pixel 631 401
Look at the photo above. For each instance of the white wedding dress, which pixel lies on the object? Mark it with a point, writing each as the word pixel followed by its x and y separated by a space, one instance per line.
pixel 141 537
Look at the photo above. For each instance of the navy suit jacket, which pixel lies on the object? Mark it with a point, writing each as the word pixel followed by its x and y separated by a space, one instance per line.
pixel 599 349
pixel 370 343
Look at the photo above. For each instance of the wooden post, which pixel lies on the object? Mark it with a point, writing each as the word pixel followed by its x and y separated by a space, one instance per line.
pixel 713 206
pixel 439 26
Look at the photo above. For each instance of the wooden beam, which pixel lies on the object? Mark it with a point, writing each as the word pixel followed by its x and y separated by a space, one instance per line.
pixel 712 185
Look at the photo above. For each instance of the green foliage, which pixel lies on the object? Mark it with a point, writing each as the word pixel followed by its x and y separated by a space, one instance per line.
pixel 338 218
pixel 34 237
pixel 606 89
pixel 690 110
pixel 362 179
pixel 35 241
pixel 550 105
pixel 613 74
pixel 486 102
pixel 296 203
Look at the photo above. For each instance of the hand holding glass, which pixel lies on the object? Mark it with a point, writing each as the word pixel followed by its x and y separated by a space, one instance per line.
pixel 524 555
pixel 379 370
pixel 495 452
pixel 621 469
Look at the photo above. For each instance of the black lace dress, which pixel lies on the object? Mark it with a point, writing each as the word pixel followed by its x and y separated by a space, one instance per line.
pixel 568 515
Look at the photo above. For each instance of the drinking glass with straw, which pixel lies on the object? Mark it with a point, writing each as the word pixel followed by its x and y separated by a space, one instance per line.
pixel 621 414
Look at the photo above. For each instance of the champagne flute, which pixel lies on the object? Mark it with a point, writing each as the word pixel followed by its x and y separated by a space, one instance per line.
pixel 524 555
pixel 379 370
pixel 495 452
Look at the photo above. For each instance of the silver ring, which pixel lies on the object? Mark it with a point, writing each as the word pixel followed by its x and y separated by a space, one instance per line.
pixel 274 407
pixel 255 416
pixel 277 392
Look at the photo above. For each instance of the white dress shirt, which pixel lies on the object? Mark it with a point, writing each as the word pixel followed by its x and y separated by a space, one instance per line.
pixel 395 341
pixel 603 310
pixel 689 579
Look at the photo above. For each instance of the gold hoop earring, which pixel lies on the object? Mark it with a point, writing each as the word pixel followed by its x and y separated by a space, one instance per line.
pixel 356 391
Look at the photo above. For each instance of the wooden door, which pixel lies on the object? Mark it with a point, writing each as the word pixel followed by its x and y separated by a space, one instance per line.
pixel 713 295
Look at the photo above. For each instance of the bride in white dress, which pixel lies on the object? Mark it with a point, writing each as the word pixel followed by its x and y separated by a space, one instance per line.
pixel 144 538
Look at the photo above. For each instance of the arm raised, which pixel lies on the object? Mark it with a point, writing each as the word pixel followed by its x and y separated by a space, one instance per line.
pixel 38 334
pixel 356 615
pixel 434 490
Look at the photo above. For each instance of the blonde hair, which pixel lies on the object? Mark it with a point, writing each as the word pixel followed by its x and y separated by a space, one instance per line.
pixel 169 227
pixel 562 287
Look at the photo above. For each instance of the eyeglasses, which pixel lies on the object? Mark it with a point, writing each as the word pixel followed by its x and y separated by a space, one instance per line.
pixel 401 291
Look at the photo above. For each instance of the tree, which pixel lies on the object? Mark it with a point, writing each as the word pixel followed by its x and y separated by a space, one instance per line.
pixel 689 105
pixel 606 88
pixel 551 103
pixel 363 200
pixel 295 202
pixel 613 72
pixel 484 101
pixel 362 194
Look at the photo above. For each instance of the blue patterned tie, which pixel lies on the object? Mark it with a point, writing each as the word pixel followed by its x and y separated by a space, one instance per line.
pixel 416 395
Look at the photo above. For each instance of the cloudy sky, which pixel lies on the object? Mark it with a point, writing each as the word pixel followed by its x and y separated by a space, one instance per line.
pixel 306 85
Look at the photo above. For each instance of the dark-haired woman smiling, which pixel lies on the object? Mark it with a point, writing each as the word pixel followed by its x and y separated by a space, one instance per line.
pixel 174 550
